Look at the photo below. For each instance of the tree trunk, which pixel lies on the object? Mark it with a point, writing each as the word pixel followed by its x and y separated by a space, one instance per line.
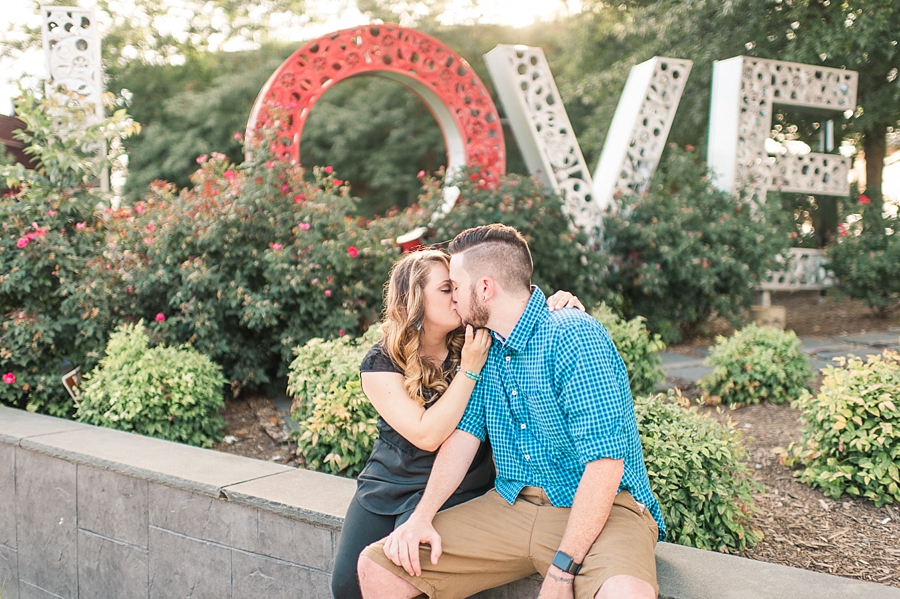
pixel 874 143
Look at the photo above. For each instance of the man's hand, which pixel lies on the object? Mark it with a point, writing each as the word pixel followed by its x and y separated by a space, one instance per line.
pixel 557 585
pixel 402 545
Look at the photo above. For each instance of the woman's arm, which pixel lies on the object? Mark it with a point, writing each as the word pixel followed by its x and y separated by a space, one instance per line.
pixel 427 429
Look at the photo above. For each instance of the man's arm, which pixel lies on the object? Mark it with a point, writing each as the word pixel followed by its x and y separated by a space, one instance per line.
pixel 450 467
pixel 590 510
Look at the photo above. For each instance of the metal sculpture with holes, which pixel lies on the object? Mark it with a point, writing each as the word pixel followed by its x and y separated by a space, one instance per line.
pixel 441 78
pixel 539 121
pixel 746 91
pixel 71 42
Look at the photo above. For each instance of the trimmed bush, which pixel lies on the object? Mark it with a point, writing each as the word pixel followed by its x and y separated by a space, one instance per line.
pixel 756 364
pixel 697 472
pixel 684 251
pixel 851 435
pixel 639 349
pixel 336 423
pixel 164 392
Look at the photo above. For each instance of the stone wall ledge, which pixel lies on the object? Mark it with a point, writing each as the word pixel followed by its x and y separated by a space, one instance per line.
pixel 321 500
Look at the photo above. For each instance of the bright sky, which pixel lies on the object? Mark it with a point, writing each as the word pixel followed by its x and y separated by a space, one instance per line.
pixel 325 16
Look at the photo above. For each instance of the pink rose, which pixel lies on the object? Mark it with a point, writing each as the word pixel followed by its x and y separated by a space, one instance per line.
pixel 341 332
pixel 864 200
pixel 229 174
pixel 51 213
pixel 151 227
pixel 80 226
pixel 148 240
pixel 329 170
pixel 338 182
pixel 238 135
pixel 420 174
pixel 353 251
pixel 23 241
pixel 160 317
pixel 299 198
pixel 9 378
pixel 276 246
pixel 328 293
pixel 304 226
pixel 139 208
pixel 285 187
pixel 270 164
pixel 202 159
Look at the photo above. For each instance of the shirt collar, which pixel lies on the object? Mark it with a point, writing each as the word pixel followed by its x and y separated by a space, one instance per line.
pixel 535 312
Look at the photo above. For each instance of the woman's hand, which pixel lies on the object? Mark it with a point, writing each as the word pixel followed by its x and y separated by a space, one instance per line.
pixel 475 350
pixel 563 299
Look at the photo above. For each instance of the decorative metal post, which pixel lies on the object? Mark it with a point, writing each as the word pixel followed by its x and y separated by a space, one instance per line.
pixel 72 50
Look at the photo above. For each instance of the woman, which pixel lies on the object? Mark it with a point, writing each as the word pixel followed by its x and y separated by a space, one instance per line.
pixel 419 377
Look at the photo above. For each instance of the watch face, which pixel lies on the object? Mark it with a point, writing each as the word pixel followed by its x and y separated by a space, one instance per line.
pixel 566 563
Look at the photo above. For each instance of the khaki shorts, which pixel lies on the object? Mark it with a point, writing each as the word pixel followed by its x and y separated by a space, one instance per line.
pixel 488 543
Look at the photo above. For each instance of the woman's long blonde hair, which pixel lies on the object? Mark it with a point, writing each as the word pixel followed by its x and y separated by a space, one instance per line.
pixel 404 311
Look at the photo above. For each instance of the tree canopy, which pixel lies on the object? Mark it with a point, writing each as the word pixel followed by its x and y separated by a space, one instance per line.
pixel 192 101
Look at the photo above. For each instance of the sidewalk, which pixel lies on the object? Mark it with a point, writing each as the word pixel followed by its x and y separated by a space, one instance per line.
pixel 681 367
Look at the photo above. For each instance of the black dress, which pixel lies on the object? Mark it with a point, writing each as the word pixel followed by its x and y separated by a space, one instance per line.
pixel 391 485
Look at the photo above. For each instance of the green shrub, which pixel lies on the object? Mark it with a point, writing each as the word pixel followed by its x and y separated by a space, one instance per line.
pixel 756 364
pixel 866 263
pixel 851 435
pixel 336 423
pixel 684 251
pixel 564 257
pixel 49 231
pixel 165 392
pixel 697 472
pixel 639 349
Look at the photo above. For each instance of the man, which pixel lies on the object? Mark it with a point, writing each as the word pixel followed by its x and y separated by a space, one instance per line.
pixel 571 500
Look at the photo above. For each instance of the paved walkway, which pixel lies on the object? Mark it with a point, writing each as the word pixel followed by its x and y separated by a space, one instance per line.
pixel 819 351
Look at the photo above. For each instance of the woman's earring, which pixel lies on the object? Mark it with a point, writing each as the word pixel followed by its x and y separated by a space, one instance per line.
pixel 418 326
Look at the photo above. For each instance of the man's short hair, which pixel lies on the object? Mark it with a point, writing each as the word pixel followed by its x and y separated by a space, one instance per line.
pixel 499 251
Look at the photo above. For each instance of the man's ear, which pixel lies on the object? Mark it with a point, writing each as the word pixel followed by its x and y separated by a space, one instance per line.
pixel 487 288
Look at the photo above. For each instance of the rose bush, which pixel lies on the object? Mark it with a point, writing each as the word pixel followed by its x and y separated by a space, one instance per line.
pixel 246 264
pixel 51 229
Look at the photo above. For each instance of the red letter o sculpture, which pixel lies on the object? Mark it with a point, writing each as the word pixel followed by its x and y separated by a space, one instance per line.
pixel 438 76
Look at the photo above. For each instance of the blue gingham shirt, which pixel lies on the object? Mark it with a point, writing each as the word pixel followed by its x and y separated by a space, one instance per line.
pixel 552 397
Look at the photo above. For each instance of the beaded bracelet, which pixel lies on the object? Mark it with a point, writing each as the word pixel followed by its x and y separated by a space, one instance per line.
pixel 475 376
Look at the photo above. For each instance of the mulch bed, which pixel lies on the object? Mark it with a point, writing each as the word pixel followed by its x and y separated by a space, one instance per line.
pixel 801 526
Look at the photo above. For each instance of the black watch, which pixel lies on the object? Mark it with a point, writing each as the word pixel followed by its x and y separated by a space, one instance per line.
pixel 565 563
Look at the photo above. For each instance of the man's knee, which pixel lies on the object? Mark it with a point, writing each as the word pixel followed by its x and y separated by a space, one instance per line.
pixel 624 586
pixel 377 582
